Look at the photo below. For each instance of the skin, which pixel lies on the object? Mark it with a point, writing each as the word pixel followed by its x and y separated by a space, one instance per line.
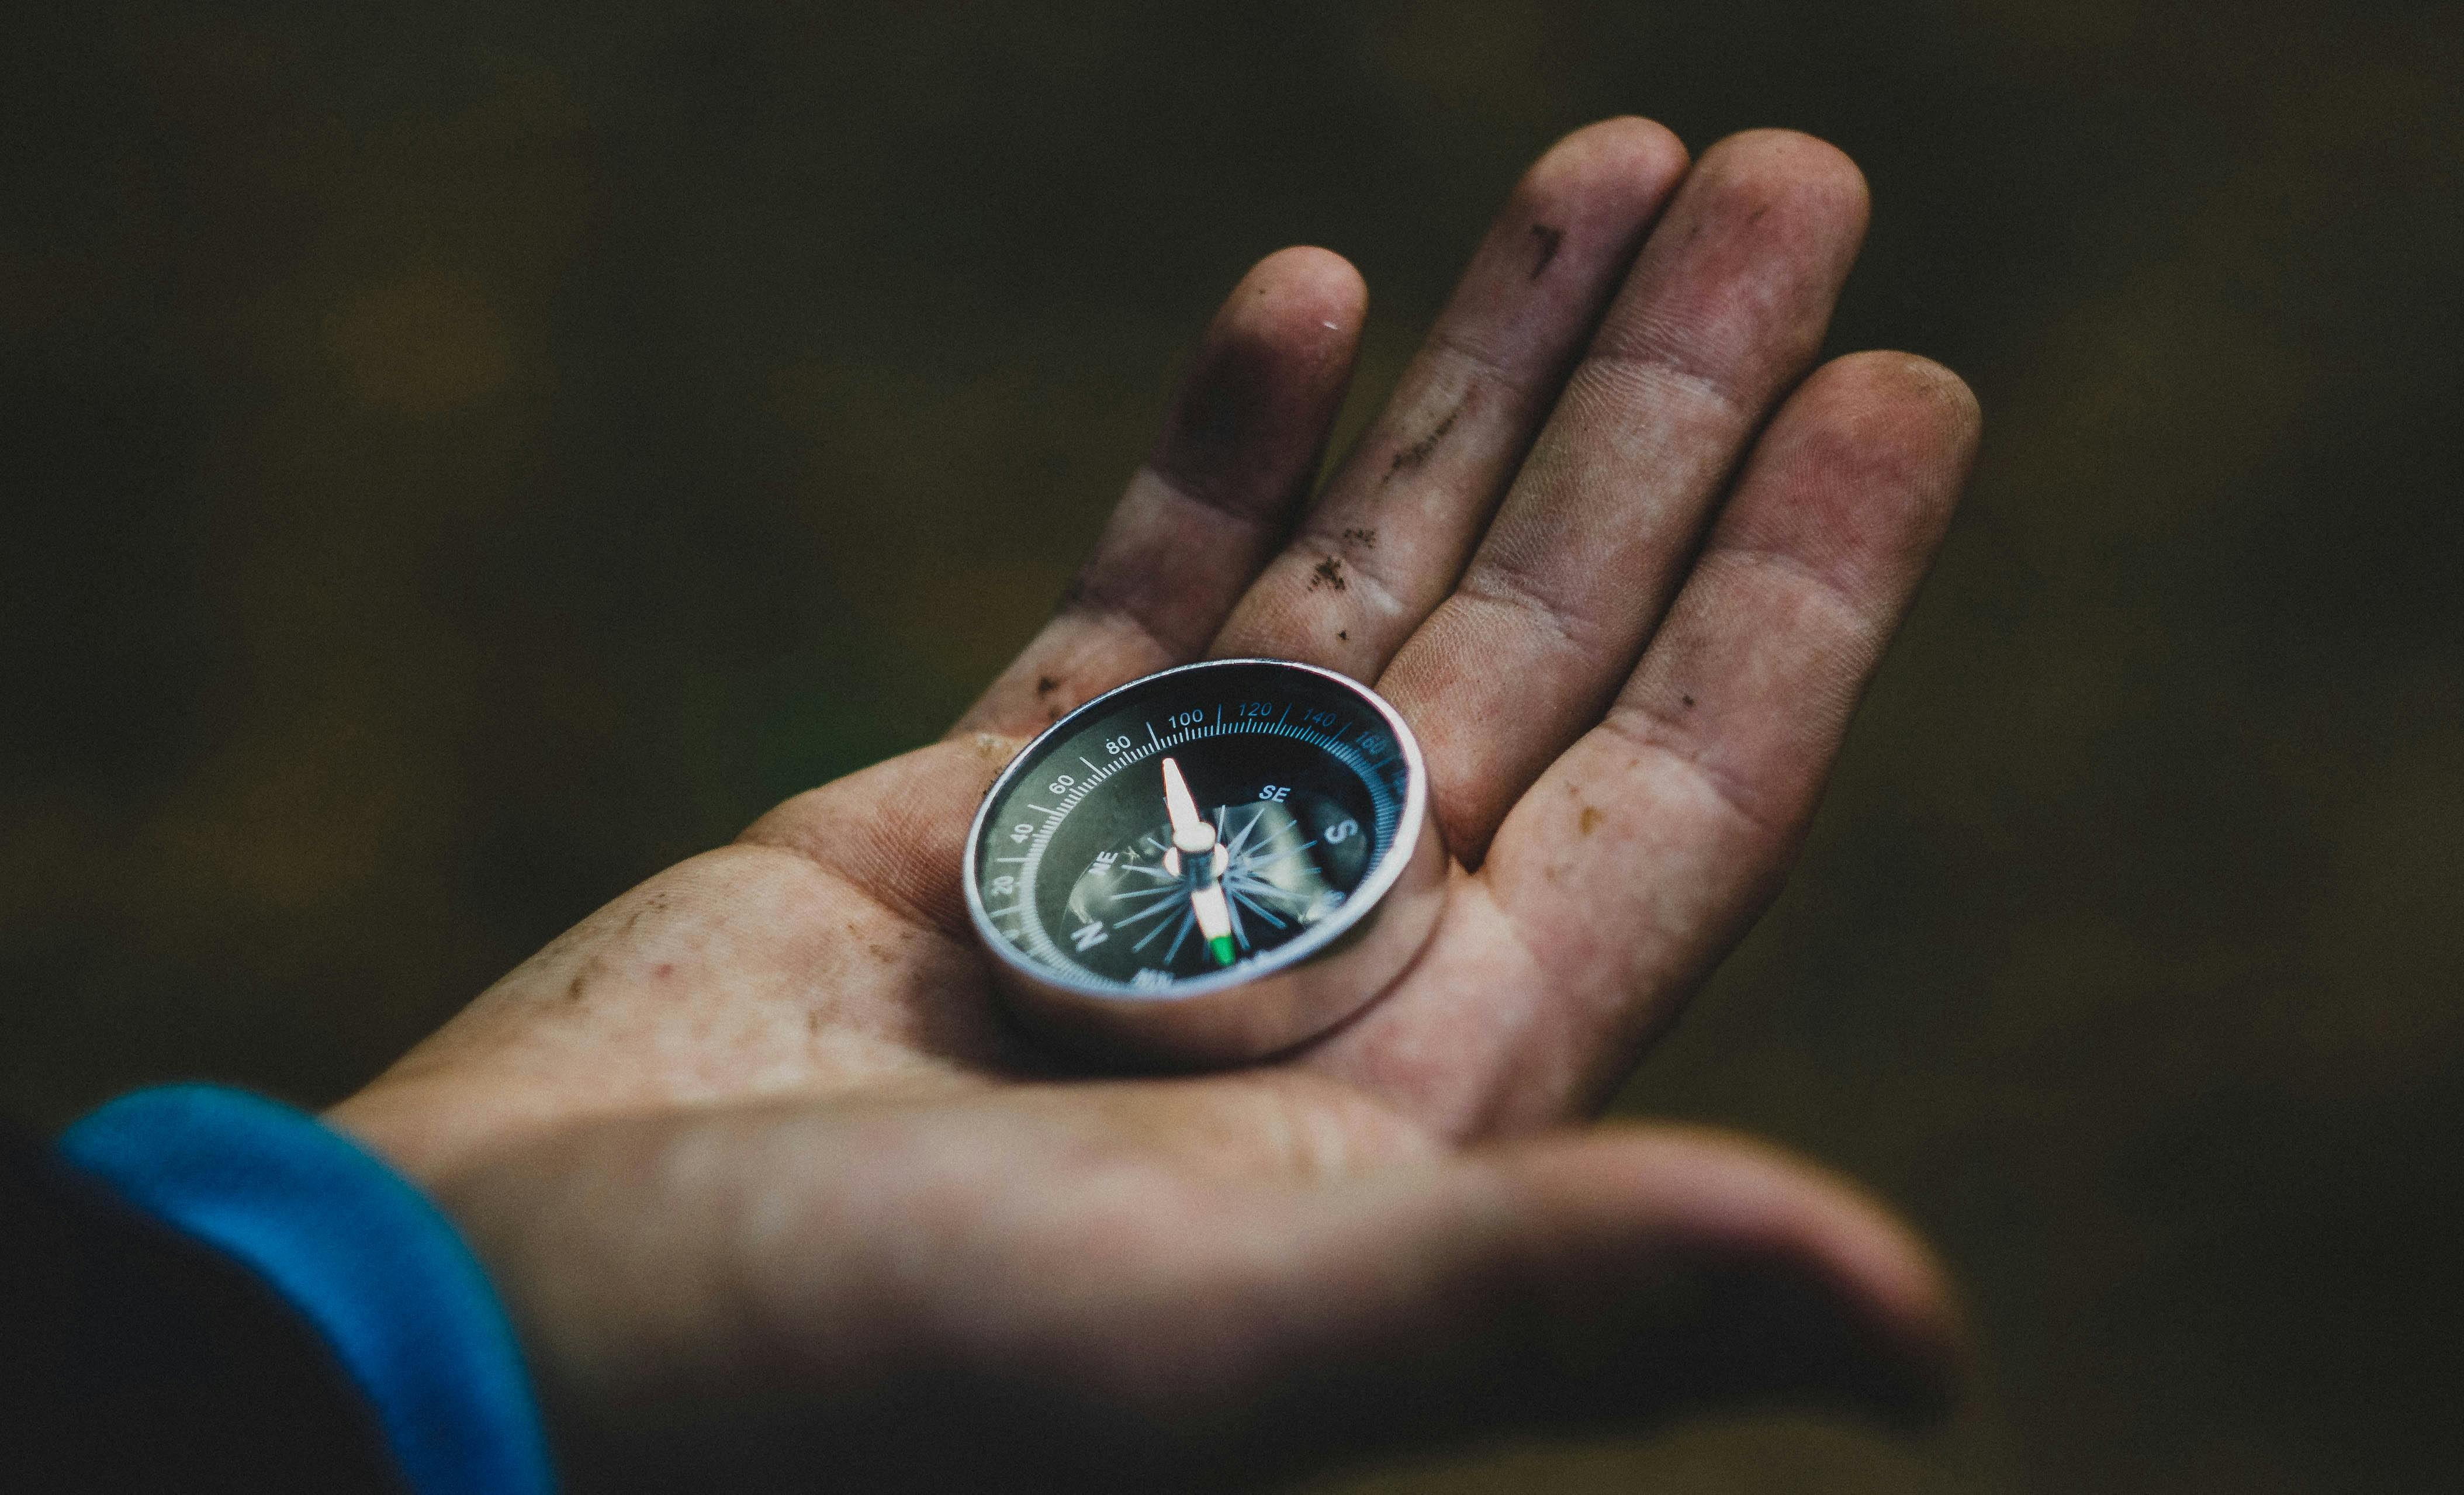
pixel 779 1197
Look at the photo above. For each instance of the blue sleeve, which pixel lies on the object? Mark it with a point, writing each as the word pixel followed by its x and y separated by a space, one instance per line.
pixel 371 1266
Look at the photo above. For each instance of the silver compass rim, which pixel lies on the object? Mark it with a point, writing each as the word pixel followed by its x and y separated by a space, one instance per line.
pixel 1350 953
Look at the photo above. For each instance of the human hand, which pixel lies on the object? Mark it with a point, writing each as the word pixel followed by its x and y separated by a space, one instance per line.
pixel 777 1192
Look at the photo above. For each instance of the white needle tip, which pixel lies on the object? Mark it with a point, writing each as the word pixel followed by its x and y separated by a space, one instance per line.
pixel 1191 834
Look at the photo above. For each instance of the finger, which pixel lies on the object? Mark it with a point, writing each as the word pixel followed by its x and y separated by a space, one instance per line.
pixel 1642 856
pixel 1724 311
pixel 1237 450
pixel 1384 543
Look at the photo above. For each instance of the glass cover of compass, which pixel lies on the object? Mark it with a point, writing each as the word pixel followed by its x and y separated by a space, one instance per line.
pixel 1196 830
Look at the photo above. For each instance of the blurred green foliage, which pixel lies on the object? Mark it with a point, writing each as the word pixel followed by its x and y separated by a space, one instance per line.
pixel 459 458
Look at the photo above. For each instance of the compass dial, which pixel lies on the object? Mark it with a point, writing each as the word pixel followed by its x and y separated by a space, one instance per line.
pixel 1196 829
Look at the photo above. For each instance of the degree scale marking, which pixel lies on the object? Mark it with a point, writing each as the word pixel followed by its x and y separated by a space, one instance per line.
pixel 1217 728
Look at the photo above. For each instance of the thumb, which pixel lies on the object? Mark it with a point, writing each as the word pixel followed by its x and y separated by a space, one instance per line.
pixel 1611 1278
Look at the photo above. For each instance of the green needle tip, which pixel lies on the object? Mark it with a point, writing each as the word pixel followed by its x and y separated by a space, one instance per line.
pixel 1222 945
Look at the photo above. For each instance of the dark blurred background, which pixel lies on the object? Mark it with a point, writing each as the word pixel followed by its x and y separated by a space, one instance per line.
pixel 458 459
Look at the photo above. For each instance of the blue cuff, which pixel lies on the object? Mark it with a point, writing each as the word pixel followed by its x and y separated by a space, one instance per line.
pixel 362 1255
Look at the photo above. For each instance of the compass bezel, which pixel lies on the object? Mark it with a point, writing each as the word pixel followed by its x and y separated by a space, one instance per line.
pixel 1269 1001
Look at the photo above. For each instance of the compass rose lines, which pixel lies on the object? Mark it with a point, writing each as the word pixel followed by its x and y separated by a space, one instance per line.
pixel 1160 905
pixel 1241 899
pixel 1246 831
pixel 1188 922
pixel 1260 891
pixel 1279 856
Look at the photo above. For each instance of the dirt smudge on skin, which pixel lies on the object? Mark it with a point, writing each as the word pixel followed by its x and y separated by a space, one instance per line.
pixel 1366 539
pixel 1688 699
pixel 1045 684
pixel 1328 572
pixel 1589 821
pixel 1344 634
pixel 1417 452
pixel 1550 237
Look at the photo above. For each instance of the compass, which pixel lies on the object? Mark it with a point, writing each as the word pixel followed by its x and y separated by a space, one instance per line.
pixel 1209 864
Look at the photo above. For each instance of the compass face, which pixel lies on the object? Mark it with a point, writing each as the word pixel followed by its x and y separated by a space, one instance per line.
pixel 1195 830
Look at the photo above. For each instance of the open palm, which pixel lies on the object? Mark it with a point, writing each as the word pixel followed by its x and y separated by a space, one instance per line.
pixel 777 1192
